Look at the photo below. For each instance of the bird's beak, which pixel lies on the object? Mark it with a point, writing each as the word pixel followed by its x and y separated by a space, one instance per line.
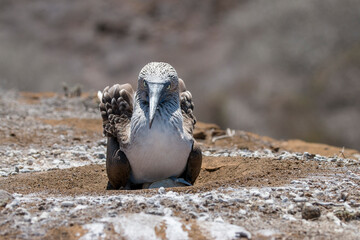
pixel 155 91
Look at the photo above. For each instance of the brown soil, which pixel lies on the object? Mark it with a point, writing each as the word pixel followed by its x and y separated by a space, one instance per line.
pixel 215 172
pixel 62 233
pixel 83 126
pixel 34 98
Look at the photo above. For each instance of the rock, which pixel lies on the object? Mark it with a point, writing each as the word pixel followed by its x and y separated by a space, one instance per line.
pixel 204 217
pixel 331 216
pixel 21 211
pixel 193 215
pixel 288 217
pixel 43 216
pixel 344 196
pixel 300 199
pixel 310 211
pixel 254 192
pixel 100 155
pixel 295 182
pixel 101 142
pixel 244 234
pixel 291 209
pixel 242 211
pixel 67 204
pixel 219 220
pixel 32 151
pixel 57 152
pixel 30 161
pixel 265 195
pixel 5 198
pixel 161 190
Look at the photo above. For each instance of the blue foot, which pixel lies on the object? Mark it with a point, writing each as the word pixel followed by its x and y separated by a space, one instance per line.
pixel 180 180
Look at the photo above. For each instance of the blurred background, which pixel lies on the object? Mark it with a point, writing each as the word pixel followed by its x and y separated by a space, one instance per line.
pixel 285 69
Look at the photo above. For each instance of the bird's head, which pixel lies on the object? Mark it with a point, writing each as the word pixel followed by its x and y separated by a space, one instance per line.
pixel 158 82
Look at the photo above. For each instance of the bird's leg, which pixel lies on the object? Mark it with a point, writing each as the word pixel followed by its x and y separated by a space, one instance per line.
pixel 193 166
pixel 117 165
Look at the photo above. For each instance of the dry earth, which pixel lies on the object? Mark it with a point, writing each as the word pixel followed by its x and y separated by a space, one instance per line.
pixel 52 163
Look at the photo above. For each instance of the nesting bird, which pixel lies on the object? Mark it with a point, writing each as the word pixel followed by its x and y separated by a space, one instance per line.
pixel 149 132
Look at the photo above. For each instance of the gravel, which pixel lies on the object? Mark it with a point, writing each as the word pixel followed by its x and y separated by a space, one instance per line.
pixel 310 211
pixel 230 207
pixel 5 198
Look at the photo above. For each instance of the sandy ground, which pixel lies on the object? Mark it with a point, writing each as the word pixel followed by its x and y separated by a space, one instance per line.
pixel 52 163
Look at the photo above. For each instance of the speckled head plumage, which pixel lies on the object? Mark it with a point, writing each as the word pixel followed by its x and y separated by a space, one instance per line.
pixel 158 84
pixel 158 72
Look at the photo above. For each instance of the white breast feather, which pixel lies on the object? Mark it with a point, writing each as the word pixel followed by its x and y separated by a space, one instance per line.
pixel 158 153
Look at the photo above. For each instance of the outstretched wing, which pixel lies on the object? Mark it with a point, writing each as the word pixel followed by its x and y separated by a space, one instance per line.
pixel 187 107
pixel 116 109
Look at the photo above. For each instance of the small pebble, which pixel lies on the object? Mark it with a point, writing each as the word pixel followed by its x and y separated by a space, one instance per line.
pixel 5 198
pixel 300 199
pixel 243 235
pixel 242 211
pixel 219 219
pixel 254 192
pixel 265 195
pixel 161 190
pixel 288 217
pixel 43 216
pixel 67 204
pixel 21 211
pixel 193 215
pixel 310 211
pixel 101 155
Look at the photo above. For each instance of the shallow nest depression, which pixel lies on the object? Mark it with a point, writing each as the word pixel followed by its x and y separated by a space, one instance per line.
pixel 215 172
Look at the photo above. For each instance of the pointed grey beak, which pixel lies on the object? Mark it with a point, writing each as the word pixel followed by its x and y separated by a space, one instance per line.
pixel 155 90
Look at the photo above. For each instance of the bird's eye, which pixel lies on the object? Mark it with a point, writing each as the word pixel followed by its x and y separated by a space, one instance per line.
pixel 169 86
pixel 144 84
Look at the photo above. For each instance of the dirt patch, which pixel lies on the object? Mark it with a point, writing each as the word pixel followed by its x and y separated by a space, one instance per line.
pixel 34 98
pixel 61 233
pixel 255 172
pixel 317 148
pixel 82 126
pixel 215 172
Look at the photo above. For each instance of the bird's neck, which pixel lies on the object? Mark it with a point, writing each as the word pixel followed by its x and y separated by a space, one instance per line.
pixel 168 116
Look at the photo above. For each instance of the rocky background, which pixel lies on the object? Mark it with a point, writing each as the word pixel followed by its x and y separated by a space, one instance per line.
pixel 286 69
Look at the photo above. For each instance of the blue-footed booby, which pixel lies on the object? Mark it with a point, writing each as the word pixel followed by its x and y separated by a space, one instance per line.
pixel 149 132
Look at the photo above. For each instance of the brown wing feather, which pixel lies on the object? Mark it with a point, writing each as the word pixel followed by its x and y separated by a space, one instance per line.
pixel 116 109
pixel 187 107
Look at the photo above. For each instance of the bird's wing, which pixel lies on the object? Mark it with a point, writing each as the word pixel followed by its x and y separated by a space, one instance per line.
pixel 116 109
pixel 187 107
